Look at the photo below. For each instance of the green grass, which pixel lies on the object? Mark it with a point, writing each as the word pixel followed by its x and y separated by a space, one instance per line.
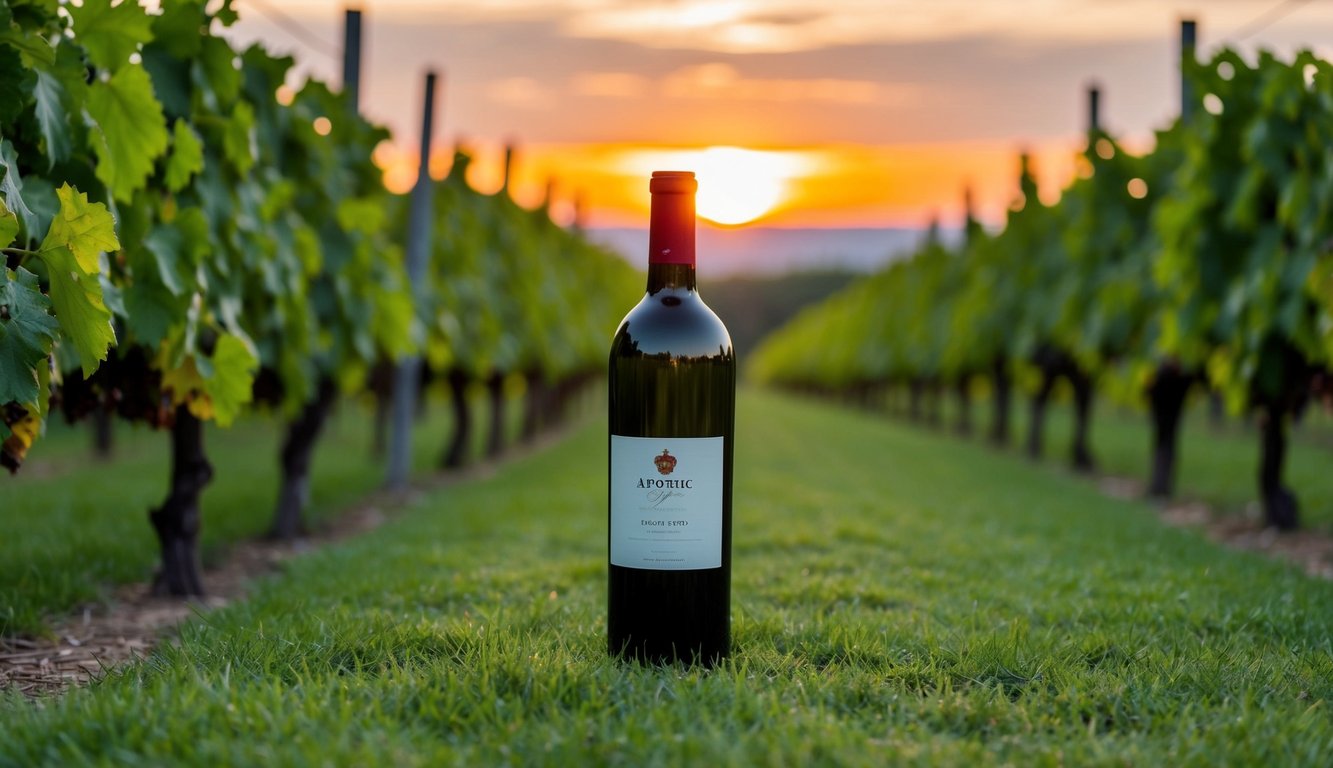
pixel 899 597
pixel 71 526
pixel 1218 464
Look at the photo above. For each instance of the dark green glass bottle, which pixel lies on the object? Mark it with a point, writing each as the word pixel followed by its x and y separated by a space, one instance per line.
pixel 672 409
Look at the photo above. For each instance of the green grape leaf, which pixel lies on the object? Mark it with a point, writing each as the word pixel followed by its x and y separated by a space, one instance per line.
pixel 15 84
pixel 365 214
pixel 86 229
pixel 171 79
pixel 181 28
pixel 238 141
pixel 264 72
pixel 113 295
pixel 11 187
pixel 306 245
pixel 33 49
pixel 193 224
pixel 151 311
pixel 164 243
pixel 131 130
pixel 216 72
pixel 9 225
pixel 110 33
pixel 42 201
pixel 84 317
pixel 177 249
pixel 27 333
pixel 52 116
pixel 187 157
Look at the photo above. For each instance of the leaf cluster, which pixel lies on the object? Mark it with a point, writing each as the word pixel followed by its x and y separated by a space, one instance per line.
pixel 183 226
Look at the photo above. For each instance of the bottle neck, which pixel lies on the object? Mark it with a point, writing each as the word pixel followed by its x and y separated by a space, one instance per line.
pixel 671 231
pixel 663 276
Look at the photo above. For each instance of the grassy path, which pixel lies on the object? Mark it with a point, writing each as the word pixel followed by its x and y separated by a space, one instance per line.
pixel 898 598
pixel 71 525
pixel 1218 465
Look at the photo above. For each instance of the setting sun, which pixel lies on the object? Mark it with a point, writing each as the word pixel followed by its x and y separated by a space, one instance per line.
pixel 736 185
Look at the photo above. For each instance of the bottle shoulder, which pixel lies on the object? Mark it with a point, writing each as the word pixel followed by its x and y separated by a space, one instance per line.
pixel 677 323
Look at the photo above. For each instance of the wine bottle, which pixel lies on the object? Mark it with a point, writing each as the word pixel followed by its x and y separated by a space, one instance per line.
pixel 672 407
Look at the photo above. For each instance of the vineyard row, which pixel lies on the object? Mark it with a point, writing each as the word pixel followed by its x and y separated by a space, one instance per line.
pixel 1207 262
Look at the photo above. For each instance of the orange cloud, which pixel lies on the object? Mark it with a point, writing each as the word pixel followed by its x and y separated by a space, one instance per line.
pixel 723 81
pixel 612 85
pixel 522 92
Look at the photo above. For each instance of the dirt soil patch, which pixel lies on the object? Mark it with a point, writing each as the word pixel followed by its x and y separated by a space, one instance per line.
pixel 1311 551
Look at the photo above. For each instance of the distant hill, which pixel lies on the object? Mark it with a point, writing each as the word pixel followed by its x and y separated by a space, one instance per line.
pixel 771 250
pixel 757 278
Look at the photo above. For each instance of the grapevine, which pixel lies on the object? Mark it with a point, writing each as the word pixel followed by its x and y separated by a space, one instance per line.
pixel 1205 259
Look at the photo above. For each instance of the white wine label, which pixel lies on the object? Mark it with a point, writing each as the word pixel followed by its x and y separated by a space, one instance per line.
pixel 666 502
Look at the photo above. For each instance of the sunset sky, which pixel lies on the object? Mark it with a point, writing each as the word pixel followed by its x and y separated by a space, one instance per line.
pixel 845 113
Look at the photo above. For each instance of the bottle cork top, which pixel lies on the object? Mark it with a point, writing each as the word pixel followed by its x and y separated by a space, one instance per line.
pixel 673 182
pixel 671 224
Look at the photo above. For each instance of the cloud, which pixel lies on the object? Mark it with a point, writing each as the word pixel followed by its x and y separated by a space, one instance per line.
pixel 611 85
pixel 515 70
pixel 733 26
pixel 784 26
pixel 720 81
pixel 521 92
pixel 723 81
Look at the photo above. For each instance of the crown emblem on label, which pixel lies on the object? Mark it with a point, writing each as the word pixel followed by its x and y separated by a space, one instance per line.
pixel 665 463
